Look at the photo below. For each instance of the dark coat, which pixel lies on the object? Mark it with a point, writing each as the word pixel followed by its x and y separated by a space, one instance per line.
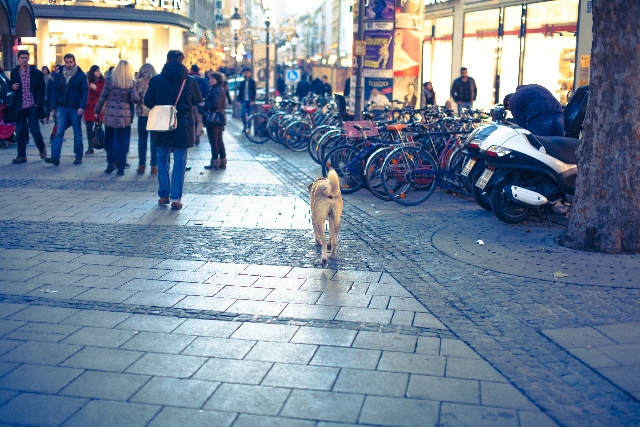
pixel 347 87
pixel 281 86
pixel 316 86
pixel 118 112
pixel 465 92
pixel 163 90
pixel 38 89
pixel 326 89
pixel 203 83
pixel 303 88
pixel 75 96
pixel 216 99
pixel 252 91
pixel 530 101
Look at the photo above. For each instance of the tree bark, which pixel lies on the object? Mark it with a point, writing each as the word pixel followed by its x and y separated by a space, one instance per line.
pixel 605 215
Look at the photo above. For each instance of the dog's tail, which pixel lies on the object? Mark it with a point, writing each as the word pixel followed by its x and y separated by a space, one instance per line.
pixel 334 183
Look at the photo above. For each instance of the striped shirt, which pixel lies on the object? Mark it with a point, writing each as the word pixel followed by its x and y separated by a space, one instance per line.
pixel 25 84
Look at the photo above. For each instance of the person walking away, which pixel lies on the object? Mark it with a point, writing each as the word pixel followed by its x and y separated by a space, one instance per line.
pixel 246 96
pixel 225 86
pixel 428 96
pixel 27 107
pixel 68 102
pixel 163 90
pixel 95 80
pixel 303 87
pixel 347 87
pixel 410 99
pixel 147 71
pixel 216 102
pixel 536 109
pixel 118 94
pixel 326 87
pixel 47 78
pixel 280 85
pixel 464 90
pixel 203 84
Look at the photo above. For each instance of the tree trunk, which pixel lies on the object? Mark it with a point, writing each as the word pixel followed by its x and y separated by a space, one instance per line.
pixel 605 215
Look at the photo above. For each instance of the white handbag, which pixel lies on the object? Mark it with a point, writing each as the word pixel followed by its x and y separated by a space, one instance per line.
pixel 164 118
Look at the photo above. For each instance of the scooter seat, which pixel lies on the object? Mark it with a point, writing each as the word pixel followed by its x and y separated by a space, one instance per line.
pixel 560 147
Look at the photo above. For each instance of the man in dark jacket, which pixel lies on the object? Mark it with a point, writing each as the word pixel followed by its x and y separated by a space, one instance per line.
pixel 304 87
pixel 280 85
pixel 164 89
pixel 68 102
pixel 316 86
pixel 28 105
pixel 204 90
pixel 246 95
pixel 464 90
pixel 536 109
pixel 326 87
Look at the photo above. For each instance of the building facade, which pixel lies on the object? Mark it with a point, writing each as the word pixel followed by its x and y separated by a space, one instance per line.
pixel 16 21
pixel 506 43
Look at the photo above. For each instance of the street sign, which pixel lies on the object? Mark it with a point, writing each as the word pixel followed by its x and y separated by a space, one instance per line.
pixel 293 76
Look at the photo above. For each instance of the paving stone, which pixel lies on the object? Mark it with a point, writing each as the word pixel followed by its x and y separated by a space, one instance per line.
pixel 245 420
pixel 38 378
pixel 99 319
pixel 170 417
pixel 444 389
pixel 173 264
pixel 186 276
pixel 197 289
pixel 378 301
pixel 6 396
pixel 6 326
pixel 103 359
pixel 387 289
pixel 358 276
pixel 105 385
pixel 578 337
pixel 57 279
pixel 625 354
pixel 593 358
pixel 46 332
pixel 9 309
pixel 139 262
pixel 472 369
pixel 369 315
pixel 324 285
pixel 627 333
pixel 427 320
pixel 299 376
pixel 97 259
pixel 205 303
pixel 504 396
pixel 168 365
pixel 60 292
pixel 258 308
pixel 535 419
pixel 266 270
pixel 158 342
pixel 18 288
pixel 57 256
pixel 319 405
pixel 371 382
pixel 147 285
pixel 57 267
pixel 321 336
pixel 308 311
pixel 311 273
pixel 248 399
pixel 99 337
pixel 293 296
pixel 221 268
pixel 457 414
pixel 142 322
pixel 40 409
pixel 106 283
pixel 175 392
pixel 625 377
pixel 412 363
pixel 232 280
pixel 103 413
pixel 233 371
pixel 243 292
pixel 45 314
pixel 428 345
pixel 219 347
pixel 344 300
pixel 346 357
pixel 282 352
pixel 406 304
pixel 391 411
pixel 265 332
pixel 42 353
pixel 456 348
pixel 378 341
pixel 211 328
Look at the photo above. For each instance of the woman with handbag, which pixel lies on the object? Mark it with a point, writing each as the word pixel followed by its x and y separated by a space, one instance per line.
pixel 142 84
pixel 214 120
pixel 96 83
pixel 118 93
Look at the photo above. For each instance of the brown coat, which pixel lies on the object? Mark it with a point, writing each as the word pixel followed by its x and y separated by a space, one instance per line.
pixel 118 110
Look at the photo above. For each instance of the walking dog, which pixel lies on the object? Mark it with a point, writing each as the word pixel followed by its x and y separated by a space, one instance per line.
pixel 326 201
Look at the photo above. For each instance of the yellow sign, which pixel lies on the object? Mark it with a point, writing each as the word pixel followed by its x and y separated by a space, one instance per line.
pixel 361 47
pixel 585 60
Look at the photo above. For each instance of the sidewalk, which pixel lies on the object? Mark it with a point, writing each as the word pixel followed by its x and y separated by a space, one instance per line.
pixel 117 311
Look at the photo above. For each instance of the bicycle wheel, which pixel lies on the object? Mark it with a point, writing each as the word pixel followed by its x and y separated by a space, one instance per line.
pixel 272 126
pixel 373 173
pixel 314 141
pixel 256 128
pixel 337 140
pixel 296 136
pixel 408 175
pixel 348 165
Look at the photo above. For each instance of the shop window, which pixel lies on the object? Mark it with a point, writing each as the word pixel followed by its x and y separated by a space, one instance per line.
pixel 437 56
pixel 510 53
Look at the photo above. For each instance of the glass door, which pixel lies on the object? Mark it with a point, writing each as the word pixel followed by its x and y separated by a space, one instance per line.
pixel 437 56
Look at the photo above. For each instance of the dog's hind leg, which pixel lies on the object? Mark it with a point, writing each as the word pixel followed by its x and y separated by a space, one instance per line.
pixel 334 229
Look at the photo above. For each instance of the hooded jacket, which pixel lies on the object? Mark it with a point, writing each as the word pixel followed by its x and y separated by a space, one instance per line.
pixel 530 101
pixel 163 90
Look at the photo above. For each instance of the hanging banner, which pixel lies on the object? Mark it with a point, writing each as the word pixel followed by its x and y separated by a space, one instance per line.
pixel 409 14
pixel 407 52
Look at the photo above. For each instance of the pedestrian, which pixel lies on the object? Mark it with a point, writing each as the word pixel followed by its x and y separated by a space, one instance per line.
pixel 48 80
pixel 410 99
pixel 316 86
pixel 95 80
pixel 536 109
pixel 347 87
pixel 303 87
pixel 164 90
pixel 27 107
pixel 246 95
pixel 147 71
pixel 203 84
pixel 326 87
pixel 216 102
pixel 280 85
pixel 428 95
pixel 118 94
pixel 464 90
pixel 68 102
pixel 225 86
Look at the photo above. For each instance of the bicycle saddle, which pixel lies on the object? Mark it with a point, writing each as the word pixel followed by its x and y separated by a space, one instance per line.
pixel 309 110
pixel 396 127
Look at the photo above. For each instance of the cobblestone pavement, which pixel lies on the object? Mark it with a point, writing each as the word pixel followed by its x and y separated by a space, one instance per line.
pixel 118 312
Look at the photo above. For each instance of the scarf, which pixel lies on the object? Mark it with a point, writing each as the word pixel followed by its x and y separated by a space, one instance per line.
pixel 428 94
pixel 68 74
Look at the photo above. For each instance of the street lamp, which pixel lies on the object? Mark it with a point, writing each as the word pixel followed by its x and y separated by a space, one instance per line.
pixel 267 22
pixel 236 22
pixel 294 43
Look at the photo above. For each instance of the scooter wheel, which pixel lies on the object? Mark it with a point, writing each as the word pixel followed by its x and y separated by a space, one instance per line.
pixel 481 196
pixel 505 209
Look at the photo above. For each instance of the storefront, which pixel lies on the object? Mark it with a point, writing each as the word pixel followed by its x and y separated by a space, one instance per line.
pixel 102 32
pixel 505 43
pixel 16 20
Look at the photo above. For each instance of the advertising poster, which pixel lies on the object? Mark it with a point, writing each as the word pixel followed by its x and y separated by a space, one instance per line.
pixel 406 89
pixel 380 10
pixel 376 90
pixel 407 52
pixel 409 14
pixel 260 65
pixel 379 54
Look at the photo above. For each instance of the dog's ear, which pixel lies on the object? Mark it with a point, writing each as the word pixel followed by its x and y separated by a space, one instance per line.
pixel 309 186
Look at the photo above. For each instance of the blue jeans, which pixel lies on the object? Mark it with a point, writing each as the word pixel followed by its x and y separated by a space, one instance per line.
pixel 143 136
pixel 117 147
pixel 29 115
pixel 171 187
pixel 548 124
pixel 65 118
pixel 468 105
pixel 245 111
